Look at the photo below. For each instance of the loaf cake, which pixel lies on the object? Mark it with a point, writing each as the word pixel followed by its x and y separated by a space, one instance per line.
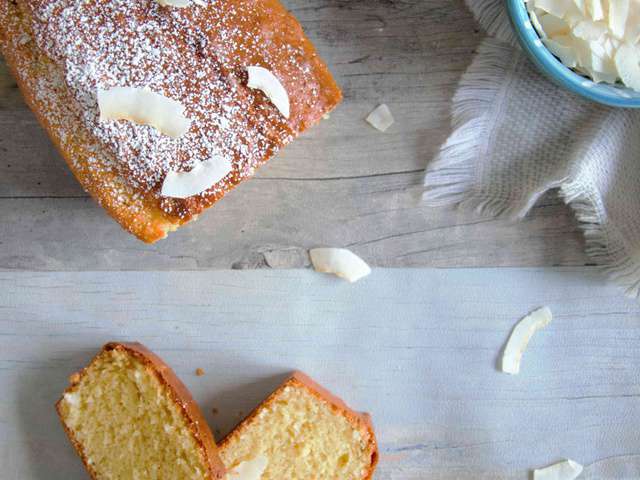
pixel 130 417
pixel 301 432
pixel 177 100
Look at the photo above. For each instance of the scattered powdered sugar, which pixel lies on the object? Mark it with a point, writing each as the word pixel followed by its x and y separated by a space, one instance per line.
pixel 193 55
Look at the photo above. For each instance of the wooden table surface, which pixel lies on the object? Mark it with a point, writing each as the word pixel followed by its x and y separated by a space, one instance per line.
pixel 415 347
pixel 341 184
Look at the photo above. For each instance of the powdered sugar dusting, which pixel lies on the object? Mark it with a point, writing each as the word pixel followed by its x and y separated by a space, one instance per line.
pixel 197 56
pixel 184 55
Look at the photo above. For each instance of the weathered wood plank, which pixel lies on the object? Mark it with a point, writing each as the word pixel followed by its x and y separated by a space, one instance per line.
pixel 379 219
pixel 343 183
pixel 416 348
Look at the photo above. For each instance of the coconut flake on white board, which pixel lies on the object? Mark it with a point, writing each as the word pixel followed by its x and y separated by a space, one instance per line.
pixel 565 470
pixel 520 336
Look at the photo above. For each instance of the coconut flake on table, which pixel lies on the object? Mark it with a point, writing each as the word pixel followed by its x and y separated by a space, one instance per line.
pixel 200 178
pixel 381 118
pixel 340 262
pixel 565 470
pixel 520 336
pixel 262 79
pixel 600 40
pixel 143 107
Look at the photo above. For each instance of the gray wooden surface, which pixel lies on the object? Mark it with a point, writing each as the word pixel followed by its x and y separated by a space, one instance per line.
pixel 415 347
pixel 341 184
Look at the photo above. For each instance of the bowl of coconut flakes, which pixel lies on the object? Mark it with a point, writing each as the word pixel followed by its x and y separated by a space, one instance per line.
pixel 590 47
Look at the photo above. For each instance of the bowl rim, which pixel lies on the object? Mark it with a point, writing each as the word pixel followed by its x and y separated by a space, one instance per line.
pixel 552 67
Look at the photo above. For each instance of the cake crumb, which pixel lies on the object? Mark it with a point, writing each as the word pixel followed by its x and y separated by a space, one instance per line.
pixel 214 410
pixel 199 372
pixel 74 378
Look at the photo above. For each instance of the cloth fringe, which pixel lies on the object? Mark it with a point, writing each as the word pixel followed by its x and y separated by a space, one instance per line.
pixel 603 243
pixel 492 16
pixel 450 177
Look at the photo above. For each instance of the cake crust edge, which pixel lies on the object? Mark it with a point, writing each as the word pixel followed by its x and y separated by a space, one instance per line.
pixel 179 394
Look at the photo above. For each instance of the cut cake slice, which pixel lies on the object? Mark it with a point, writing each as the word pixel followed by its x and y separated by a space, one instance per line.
pixel 301 431
pixel 130 417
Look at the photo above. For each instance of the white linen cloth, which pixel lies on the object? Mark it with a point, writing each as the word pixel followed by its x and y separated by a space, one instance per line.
pixel 516 135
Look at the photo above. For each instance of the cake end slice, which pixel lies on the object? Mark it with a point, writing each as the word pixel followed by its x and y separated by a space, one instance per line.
pixel 130 417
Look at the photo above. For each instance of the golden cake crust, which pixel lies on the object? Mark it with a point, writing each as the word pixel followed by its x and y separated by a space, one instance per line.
pixel 359 420
pixel 180 396
pixel 119 164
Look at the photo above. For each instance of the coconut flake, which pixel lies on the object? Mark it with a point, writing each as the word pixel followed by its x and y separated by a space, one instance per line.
pixel 262 79
pixel 596 9
pixel 581 6
pixel 143 107
pixel 554 26
pixel 554 7
pixel 535 21
pixel 249 469
pixel 588 30
pixel 586 35
pixel 381 118
pixel 197 180
pixel 520 336
pixel 340 262
pixel 565 470
pixel 561 48
pixel 618 15
pixel 174 3
pixel 628 64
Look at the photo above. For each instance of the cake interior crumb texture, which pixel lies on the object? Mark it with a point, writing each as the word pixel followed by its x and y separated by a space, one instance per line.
pixel 127 423
pixel 304 437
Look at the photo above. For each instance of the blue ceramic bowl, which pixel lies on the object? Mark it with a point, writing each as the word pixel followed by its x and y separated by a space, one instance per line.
pixel 613 95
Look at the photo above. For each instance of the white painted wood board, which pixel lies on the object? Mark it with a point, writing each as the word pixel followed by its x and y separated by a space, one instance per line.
pixel 341 184
pixel 416 348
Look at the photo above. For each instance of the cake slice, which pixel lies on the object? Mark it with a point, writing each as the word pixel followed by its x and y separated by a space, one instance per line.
pixel 301 432
pixel 130 417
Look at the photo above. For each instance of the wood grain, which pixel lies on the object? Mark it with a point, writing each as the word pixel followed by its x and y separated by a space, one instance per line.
pixel 415 347
pixel 341 184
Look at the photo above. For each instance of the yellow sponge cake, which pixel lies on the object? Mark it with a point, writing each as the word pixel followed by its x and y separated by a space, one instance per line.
pixel 130 417
pixel 301 432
